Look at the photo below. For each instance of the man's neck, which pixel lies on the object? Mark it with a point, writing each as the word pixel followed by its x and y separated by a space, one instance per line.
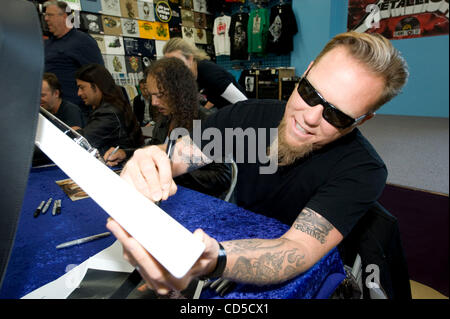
pixel 57 106
pixel 63 33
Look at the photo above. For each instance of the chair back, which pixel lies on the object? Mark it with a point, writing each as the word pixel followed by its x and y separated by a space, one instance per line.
pixel 374 251
pixel 234 174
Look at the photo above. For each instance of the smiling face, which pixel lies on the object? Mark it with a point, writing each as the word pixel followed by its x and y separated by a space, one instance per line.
pixel 50 99
pixel 89 93
pixel 343 82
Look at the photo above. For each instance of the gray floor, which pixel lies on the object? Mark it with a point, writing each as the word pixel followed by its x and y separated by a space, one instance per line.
pixel 415 149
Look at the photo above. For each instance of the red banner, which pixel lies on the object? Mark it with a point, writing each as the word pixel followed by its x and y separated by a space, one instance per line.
pixel 399 19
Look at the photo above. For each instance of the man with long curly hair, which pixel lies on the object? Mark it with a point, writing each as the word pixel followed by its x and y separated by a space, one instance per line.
pixel 174 93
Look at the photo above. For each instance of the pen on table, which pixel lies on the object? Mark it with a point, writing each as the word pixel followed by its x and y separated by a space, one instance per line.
pixel 169 152
pixel 112 153
pixel 38 210
pixel 82 240
pixel 56 207
pixel 47 205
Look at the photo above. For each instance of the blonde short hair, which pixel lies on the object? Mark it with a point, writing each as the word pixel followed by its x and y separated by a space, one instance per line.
pixel 186 48
pixel 379 56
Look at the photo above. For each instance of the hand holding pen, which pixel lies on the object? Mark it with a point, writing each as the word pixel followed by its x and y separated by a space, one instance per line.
pixel 169 152
pixel 114 156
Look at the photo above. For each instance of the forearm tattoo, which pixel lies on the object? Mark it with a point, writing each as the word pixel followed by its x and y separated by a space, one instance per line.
pixel 274 261
pixel 311 223
pixel 190 154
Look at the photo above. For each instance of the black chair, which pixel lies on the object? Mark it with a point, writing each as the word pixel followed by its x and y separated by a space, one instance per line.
pixel 374 252
pixel 21 67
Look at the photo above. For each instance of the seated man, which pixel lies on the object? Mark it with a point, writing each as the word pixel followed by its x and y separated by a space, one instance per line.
pixel 112 122
pixel 64 110
pixel 327 176
pixel 173 91
pixel 51 100
pixel 142 106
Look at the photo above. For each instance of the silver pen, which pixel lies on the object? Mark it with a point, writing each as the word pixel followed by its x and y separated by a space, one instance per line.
pixel 47 205
pixel 82 240
pixel 169 152
pixel 112 153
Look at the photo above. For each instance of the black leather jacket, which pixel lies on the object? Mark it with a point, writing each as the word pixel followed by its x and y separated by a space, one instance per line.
pixel 106 128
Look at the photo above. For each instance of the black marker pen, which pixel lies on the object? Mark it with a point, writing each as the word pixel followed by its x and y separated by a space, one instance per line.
pixel 58 208
pixel 38 210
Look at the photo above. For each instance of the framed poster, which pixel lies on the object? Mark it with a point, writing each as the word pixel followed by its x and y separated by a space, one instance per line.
pixel 399 19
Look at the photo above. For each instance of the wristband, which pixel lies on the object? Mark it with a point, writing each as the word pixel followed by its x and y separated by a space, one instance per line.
pixel 220 265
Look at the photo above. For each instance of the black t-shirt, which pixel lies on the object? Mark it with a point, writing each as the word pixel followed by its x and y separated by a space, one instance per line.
pixel 238 36
pixel 282 29
pixel 339 181
pixel 70 114
pixel 213 80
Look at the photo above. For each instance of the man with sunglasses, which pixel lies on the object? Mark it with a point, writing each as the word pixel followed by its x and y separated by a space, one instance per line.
pixel 328 174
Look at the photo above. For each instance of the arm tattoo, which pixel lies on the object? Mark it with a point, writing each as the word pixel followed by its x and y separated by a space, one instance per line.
pixel 191 155
pixel 311 223
pixel 273 261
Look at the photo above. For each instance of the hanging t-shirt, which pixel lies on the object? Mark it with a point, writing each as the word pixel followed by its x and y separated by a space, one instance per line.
pixel 221 36
pixel 281 30
pixel 238 36
pixel 258 27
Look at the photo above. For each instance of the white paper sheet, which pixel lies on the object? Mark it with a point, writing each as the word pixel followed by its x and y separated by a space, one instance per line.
pixel 163 237
pixel 109 259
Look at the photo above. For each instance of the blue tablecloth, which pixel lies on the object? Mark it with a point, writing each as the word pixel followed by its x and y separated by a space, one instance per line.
pixel 35 261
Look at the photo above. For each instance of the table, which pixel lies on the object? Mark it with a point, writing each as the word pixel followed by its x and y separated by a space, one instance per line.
pixel 35 261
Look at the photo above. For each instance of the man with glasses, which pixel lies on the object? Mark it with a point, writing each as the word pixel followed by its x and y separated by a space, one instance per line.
pixel 328 174
pixel 67 49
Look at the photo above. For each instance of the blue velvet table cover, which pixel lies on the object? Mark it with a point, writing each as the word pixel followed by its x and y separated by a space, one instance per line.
pixel 35 261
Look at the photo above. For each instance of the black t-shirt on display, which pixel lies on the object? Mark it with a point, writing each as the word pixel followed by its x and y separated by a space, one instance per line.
pixel 282 29
pixel 212 80
pixel 339 181
pixel 238 36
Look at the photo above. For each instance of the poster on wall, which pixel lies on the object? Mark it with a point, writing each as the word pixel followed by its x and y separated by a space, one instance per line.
pixel 399 19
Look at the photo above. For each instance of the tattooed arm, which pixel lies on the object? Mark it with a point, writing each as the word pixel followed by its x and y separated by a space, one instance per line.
pixel 256 261
pixel 187 157
pixel 269 261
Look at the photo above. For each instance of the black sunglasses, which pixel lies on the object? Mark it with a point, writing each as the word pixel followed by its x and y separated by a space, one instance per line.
pixel 330 113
